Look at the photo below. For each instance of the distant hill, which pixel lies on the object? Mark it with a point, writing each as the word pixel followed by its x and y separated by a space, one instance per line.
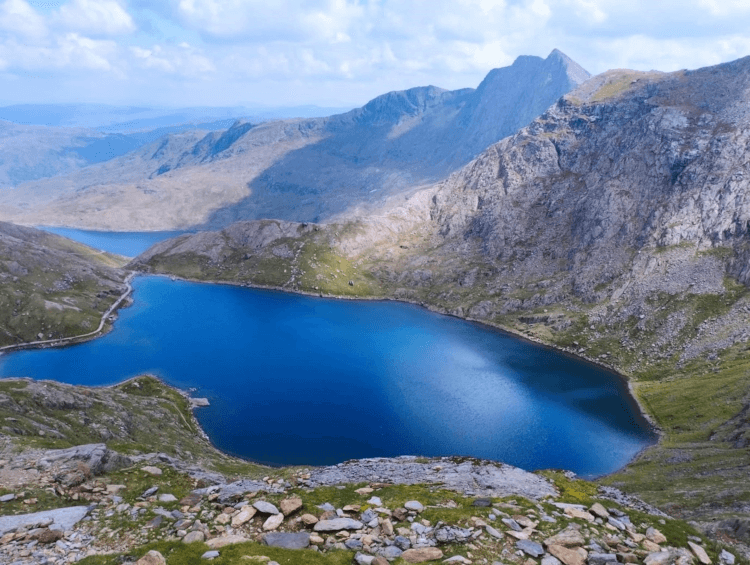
pixel 303 169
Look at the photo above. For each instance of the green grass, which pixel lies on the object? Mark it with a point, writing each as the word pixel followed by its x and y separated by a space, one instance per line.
pixel 178 553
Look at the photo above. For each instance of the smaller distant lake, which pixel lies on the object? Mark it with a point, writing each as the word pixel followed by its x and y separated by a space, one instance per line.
pixel 129 244
pixel 300 380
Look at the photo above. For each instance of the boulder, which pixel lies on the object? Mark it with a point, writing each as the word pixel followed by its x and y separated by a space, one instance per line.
pixel 191 537
pixel 222 541
pixel 414 505
pixel 568 556
pixel 273 522
pixel 700 553
pixel 599 511
pixel 299 540
pixel 654 535
pixel 338 524
pixel 290 505
pixel 246 514
pixel 265 507
pixel 567 537
pixel 530 548
pixel 422 555
pixel 153 557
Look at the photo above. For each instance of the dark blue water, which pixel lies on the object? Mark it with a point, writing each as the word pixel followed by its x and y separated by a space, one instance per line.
pixel 300 380
pixel 129 244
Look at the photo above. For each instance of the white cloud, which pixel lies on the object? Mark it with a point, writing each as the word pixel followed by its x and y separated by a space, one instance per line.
pixel 18 18
pixel 97 17
pixel 183 60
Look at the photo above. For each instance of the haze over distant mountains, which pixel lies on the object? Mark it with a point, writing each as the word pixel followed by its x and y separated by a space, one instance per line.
pixel 300 169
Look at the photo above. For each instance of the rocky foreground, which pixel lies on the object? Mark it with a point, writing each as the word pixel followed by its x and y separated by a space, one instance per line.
pixel 151 509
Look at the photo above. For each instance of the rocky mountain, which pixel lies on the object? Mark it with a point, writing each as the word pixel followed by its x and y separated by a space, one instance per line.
pixel 299 169
pixel 52 288
pixel 614 226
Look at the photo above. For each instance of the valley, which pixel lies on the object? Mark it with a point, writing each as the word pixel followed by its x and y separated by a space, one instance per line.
pixel 606 217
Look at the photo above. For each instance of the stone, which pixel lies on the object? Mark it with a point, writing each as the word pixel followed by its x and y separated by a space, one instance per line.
pixel 726 557
pixel 616 523
pixel 482 502
pixel 338 524
pixel 375 501
pixel 400 514
pixel 223 541
pixel 379 560
pixel 386 526
pixel 273 522
pixel 391 552
pixel 414 505
pixel 567 537
pixel 190 500
pixel 245 515
pixel 256 558
pixel 212 554
pixel 493 532
pixel 402 543
pixel 149 492
pixel 566 555
pixel 512 524
pixel 290 505
pixel 602 558
pixel 651 546
pixel 525 521
pixel 457 559
pixel 49 536
pixel 362 559
pixel 530 548
pixel 308 519
pixel 299 540
pixel 599 511
pixel 153 557
pixel 550 560
pixel 315 539
pixel 167 498
pixel 191 537
pixel 265 507
pixel 59 519
pixel 581 514
pixel 151 470
pixel 654 535
pixel 422 555
pixel 700 553
pixel 658 558
pixel 223 519
pixel 364 490
pixel 353 544
pixel 7 497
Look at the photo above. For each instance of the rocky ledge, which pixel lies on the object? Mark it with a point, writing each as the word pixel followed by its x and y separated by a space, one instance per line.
pixel 104 507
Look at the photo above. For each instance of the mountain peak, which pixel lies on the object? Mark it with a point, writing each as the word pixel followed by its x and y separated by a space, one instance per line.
pixel 578 75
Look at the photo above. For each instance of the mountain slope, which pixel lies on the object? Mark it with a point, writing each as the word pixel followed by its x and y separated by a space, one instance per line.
pixel 300 169
pixel 52 287
pixel 614 226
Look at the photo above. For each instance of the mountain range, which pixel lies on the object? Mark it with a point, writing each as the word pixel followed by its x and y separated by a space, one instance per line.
pixel 303 169
pixel 615 226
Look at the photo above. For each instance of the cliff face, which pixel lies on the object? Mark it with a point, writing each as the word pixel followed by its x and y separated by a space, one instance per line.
pixel 303 170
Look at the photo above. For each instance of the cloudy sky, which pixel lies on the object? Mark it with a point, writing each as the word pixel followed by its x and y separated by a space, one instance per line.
pixel 334 52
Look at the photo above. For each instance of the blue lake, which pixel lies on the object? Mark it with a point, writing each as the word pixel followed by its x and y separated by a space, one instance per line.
pixel 301 380
pixel 129 244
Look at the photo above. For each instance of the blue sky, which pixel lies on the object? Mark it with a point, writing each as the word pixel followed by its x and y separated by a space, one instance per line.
pixel 334 52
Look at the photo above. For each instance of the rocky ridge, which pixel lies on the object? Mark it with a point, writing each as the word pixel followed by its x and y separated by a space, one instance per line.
pixel 298 169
